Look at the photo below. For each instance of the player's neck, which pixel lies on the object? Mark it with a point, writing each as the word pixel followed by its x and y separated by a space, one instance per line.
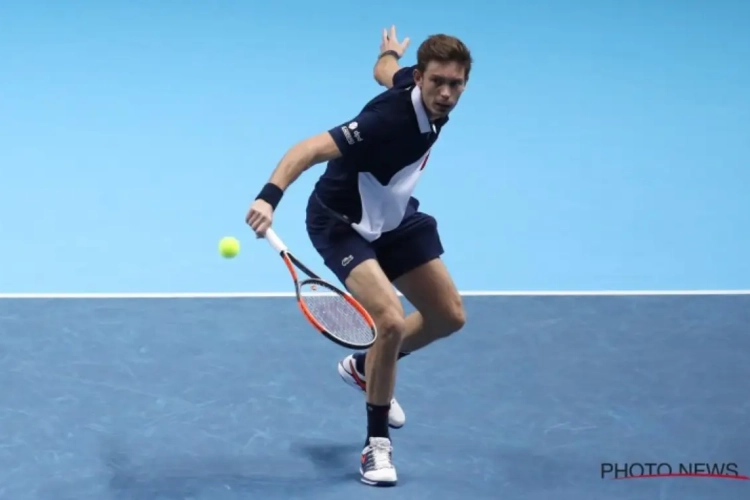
pixel 434 119
pixel 430 116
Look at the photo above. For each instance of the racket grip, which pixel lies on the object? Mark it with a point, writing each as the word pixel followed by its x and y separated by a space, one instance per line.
pixel 275 241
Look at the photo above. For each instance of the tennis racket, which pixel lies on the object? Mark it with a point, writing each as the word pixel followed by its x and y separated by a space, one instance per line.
pixel 331 311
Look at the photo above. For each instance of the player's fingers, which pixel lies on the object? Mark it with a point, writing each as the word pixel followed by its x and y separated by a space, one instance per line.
pixel 263 227
pixel 259 216
pixel 405 43
pixel 393 33
pixel 252 216
pixel 256 221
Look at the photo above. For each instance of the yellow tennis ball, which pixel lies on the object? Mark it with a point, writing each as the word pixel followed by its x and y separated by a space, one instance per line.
pixel 229 247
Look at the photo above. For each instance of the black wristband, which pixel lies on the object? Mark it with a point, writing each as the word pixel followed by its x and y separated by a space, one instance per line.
pixel 390 53
pixel 271 194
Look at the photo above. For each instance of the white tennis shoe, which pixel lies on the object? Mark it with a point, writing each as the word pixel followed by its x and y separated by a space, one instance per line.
pixel 376 463
pixel 350 375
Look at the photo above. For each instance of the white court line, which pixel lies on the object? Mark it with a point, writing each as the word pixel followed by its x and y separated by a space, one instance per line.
pixel 263 295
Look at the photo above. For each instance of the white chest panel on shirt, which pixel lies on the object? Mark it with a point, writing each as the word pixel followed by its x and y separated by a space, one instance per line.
pixel 384 206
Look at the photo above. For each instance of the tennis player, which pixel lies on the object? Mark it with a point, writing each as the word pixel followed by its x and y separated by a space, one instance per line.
pixel 366 225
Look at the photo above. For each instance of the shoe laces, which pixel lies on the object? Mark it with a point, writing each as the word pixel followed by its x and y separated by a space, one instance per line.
pixel 380 453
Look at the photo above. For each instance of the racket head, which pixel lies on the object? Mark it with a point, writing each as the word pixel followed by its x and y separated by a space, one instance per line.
pixel 336 314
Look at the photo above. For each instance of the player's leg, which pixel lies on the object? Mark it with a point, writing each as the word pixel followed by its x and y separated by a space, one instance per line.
pixel 369 285
pixel 342 249
pixel 439 309
pixel 410 257
pixel 353 261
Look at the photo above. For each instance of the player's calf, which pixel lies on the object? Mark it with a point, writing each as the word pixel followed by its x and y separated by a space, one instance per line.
pixel 380 364
pixel 380 370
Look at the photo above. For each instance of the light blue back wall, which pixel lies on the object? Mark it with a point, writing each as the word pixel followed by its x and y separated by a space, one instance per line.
pixel 600 145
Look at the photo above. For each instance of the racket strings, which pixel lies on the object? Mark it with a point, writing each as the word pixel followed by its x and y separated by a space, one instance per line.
pixel 336 314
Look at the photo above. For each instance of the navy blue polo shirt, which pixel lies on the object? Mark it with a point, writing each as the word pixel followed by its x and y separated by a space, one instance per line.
pixel 384 151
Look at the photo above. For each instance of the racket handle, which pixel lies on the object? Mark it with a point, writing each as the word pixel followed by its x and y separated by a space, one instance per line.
pixel 275 241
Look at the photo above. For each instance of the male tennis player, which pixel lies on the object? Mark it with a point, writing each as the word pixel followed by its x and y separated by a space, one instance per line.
pixel 367 227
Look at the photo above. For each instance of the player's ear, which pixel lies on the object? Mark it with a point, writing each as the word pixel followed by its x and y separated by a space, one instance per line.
pixel 418 77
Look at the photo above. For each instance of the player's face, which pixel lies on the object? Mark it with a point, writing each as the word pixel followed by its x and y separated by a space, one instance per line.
pixel 442 85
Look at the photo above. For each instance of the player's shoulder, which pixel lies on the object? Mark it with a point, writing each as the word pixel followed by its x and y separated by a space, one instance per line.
pixel 404 78
pixel 397 98
pixel 391 106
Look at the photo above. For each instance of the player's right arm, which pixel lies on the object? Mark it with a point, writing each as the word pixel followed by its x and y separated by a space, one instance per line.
pixel 298 159
pixel 302 156
pixel 345 139
pixel 391 50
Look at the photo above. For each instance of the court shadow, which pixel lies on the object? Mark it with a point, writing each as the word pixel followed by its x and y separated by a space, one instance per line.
pixel 330 459
pixel 307 470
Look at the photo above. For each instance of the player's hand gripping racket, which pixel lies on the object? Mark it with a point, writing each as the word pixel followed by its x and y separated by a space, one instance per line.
pixel 333 312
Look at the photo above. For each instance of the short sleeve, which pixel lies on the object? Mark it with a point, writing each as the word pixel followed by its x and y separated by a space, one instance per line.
pixel 404 77
pixel 368 129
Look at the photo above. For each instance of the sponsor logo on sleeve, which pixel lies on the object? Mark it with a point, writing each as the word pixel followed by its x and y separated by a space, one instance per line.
pixel 348 135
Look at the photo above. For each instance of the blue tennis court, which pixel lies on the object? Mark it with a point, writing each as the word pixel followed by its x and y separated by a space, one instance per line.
pixel 236 398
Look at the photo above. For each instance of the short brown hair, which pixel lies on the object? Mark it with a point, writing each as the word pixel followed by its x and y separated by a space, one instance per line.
pixel 443 49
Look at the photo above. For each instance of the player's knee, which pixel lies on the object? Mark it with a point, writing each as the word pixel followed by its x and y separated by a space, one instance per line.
pixel 447 319
pixel 391 325
pixel 454 316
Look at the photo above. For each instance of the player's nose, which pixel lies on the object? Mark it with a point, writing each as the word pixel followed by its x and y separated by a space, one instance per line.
pixel 445 94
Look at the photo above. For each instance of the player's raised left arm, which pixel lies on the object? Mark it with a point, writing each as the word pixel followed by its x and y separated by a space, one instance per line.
pixel 391 50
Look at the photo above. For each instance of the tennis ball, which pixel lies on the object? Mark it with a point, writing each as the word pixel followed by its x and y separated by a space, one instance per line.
pixel 229 247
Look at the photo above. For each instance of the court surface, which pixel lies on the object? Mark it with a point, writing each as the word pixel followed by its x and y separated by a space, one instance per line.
pixel 236 398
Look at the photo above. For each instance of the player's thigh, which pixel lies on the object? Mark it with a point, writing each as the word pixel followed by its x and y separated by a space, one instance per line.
pixel 353 261
pixel 340 247
pixel 371 287
pixel 411 257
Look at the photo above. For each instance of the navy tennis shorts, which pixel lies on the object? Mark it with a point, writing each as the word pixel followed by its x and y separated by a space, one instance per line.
pixel 415 242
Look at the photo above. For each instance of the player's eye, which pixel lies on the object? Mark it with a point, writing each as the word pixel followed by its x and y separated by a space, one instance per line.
pixel 453 83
